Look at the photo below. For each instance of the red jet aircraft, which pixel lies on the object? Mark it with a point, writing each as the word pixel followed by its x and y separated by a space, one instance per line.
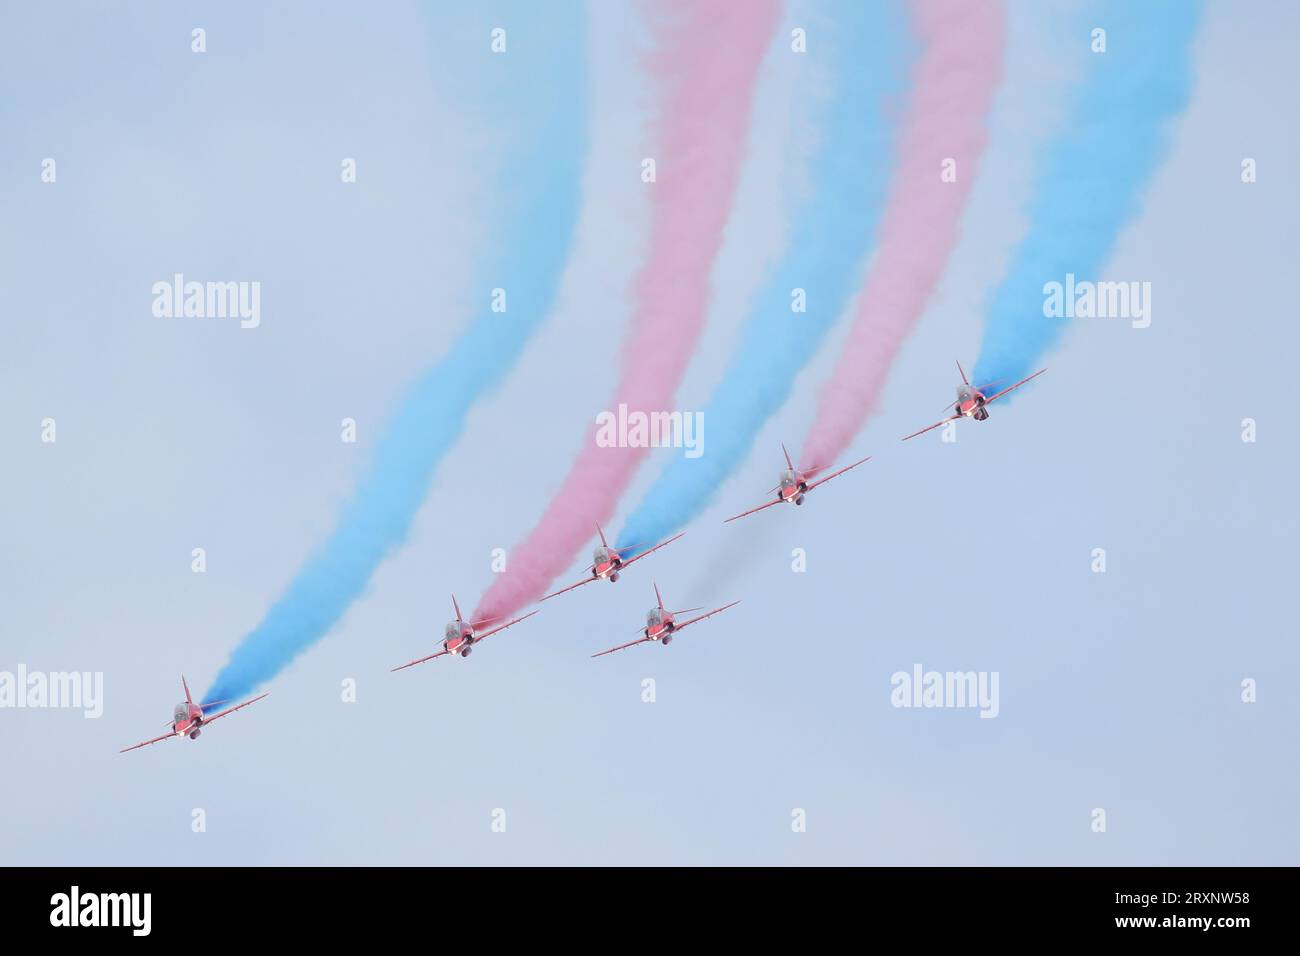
pixel 460 636
pixel 794 484
pixel 188 718
pixel 661 624
pixel 607 562
pixel 971 401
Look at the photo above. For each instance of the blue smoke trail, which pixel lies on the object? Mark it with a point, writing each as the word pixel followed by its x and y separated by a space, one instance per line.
pixel 537 89
pixel 869 47
pixel 1094 173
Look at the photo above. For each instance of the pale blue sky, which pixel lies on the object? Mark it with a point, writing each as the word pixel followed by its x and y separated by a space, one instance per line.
pixel 1118 691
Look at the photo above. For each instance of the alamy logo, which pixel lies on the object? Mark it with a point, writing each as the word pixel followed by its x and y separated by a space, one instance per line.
pixel 922 688
pixel 208 300
pixel 1098 300
pixel 103 909
pixel 58 689
pixel 626 429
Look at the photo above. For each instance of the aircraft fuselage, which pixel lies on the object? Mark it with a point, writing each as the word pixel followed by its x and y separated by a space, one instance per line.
pixel 606 563
pixel 970 403
pixel 187 718
pixel 459 638
pixel 659 625
pixel 793 486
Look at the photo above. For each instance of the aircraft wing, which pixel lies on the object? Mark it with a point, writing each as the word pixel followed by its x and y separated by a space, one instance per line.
pixel 479 637
pixel 833 474
pixel 1017 385
pixel 930 428
pixel 743 514
pixel 146 743
pixel 586 580
pixel 622 647
pixel 661 544
pixel 231 710
pixel 694 620
pixel 420 661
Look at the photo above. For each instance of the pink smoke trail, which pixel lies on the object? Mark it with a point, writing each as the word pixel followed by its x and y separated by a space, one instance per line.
pixel 954 80
pixel 705 65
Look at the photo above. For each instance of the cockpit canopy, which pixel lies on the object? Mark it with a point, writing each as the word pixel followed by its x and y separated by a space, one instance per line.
pixel 654 616
pixel 182 712
pixel 788 477
pixel 453 630
pixel 601 556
